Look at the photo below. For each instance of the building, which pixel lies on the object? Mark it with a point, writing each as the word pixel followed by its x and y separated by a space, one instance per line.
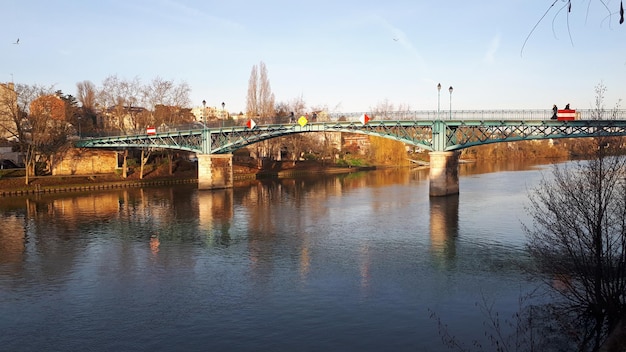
pixel 9 112
pixel 209 113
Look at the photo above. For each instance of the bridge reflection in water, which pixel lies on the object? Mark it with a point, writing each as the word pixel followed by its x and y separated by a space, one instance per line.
pixel 444 227
pixel 215 214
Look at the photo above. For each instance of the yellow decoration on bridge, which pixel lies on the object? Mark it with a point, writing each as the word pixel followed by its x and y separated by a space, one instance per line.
pixel 302 121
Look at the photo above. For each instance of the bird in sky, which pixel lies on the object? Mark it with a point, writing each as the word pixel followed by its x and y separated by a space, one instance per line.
pixel 17 41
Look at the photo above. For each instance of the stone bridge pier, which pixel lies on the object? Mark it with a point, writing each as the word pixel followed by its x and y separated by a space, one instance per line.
pixel 215 171
pixel 444 173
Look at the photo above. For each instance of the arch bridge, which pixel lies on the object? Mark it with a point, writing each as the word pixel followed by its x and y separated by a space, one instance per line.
pixel 443 138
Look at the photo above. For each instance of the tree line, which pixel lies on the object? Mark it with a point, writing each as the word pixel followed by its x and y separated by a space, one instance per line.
pixel 41 121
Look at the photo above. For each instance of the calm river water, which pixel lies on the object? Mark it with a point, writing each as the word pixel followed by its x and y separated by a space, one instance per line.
pixel 325 263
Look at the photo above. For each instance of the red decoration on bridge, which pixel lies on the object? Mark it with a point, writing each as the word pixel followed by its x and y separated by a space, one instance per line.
pixel 566 115
pixel 250 124
pixel 364 119
pixel 150 131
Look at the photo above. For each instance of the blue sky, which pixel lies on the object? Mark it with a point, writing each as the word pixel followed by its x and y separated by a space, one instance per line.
pixel 347 56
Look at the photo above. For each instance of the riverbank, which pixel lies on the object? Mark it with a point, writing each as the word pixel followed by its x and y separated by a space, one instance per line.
pixel 14 183
pixel 16 186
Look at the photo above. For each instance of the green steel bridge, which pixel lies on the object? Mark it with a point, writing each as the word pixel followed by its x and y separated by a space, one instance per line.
pixel 431 135
pixel 442 137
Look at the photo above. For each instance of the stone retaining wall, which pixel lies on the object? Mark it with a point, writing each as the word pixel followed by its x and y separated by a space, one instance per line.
pixel 38 189
pixel 84 162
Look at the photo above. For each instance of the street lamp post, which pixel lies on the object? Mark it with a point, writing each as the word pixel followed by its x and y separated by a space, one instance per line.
pixel 223 106
pixel 450 90
pixel 203 117
pixel 438 100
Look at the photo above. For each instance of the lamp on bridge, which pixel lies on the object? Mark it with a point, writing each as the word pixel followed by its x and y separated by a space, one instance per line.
pixel 450 90
pixel 203 108
pixel 223 106
pixel 438 99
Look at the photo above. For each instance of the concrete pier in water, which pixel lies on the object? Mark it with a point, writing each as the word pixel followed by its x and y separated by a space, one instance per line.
pixel 215 171
pixel 444 173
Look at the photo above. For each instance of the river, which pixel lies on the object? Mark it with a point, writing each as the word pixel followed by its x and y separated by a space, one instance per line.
pixel 340 262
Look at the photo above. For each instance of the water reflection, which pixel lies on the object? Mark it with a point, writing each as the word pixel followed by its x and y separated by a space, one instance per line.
pixel 159 215
pixel 216 210
pixel 12 239
pixel 487 166
pixel 444 228
pixel 48 224
pixel 342 262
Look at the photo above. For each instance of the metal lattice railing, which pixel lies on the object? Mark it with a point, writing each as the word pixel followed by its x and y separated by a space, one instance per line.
pixel 504 115
pixel 426 134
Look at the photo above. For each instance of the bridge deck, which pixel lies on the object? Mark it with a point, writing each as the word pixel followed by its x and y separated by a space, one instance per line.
pixel 438 135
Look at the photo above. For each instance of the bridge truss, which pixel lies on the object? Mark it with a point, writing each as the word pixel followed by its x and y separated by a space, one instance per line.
pixel 436 135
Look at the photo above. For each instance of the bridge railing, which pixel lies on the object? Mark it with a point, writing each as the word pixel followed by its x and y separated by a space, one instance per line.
pixel 425 115
pixel 530 114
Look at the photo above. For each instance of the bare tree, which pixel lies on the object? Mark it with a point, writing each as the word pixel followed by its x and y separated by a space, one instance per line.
pixel 298 106
pixel 169 98
pixel 260 101
pixel 567 8
pixel 266 97
pixel 383 110
pixel 37 122
pixel 31 129
pixel 252 107
pixel 282 111
pixel 86 93
pixel 158 92
pixel 165 100
pixel 578 239
pixel 120 99
pixel 166 92
pixel 180 95
pixel 143 160
pixel 15 108
pixel 293 145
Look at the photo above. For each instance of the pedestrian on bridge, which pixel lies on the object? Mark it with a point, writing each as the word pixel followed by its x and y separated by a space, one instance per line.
pixel 555 110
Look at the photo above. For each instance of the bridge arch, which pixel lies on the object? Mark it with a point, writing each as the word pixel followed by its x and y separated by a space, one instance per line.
pixel 232 146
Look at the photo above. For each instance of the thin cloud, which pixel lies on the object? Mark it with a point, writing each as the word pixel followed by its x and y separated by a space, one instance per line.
pixel 400 37
pixel 177 12
pixel 494 45
pixel 186 12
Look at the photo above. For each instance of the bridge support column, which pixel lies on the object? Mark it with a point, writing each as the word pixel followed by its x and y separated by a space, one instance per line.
pixel 444 173
pixel 215 171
